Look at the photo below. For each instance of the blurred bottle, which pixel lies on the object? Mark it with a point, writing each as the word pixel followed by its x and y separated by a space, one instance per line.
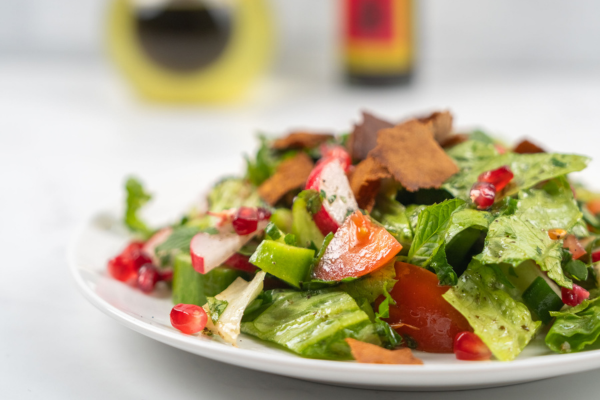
pixel 190 50
pixel 378 41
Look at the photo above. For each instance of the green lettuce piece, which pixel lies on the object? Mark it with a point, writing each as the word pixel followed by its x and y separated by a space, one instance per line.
pixel 503 324
pixel 575 328
pixel 136 198
pixel 312 324
pixel 551 207
pixel 472 151
pixel 529 170
pixel 444 235
pixel 513 240
pixel 232 193
pixel 392 215
pixel 216 308
pixel 372 285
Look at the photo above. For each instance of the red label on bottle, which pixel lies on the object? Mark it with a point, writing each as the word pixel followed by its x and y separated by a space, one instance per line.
pixel 370 19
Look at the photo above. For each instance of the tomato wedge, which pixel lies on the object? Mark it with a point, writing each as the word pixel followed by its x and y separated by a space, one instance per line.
pixel 358 247
pixel 422 313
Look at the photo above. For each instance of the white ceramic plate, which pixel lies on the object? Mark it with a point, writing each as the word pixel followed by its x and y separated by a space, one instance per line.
pixel 102 237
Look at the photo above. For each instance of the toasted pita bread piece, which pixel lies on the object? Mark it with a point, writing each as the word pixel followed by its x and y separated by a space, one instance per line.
pixel 364 137
pixel 413 157
pixel 301 140
pixel 290 174
pixel 365 181
pixel 372 354
pixel 454 140
pixel 440 123
pixel 527 147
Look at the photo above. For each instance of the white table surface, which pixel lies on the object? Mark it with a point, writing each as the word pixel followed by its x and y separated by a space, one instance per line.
pixel 69 134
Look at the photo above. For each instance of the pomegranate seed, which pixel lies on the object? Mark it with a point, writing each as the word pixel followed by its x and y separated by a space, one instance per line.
pixel 147 278
pixel 574 247
pixel 245 220
pixel 468 346
pixel 483 195
pixel 240 262
pixel 557 234
pixel 594 206
pixel 329 151
pixel 125 266
pixel 188 318
pixel 263 214
pixel 574 297
pixel 499 177
pixel 596 256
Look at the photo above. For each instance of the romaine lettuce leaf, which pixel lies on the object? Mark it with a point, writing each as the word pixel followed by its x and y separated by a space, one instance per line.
pixel 513 240
pixel 136 198
pixel 504 325
pixel 472 151
pixel 232 193
pixel 575 328
pixel 529 170
pixel 312 324
pixel 371 286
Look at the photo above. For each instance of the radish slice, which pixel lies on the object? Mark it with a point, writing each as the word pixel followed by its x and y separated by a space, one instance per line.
pixel 156 240
pixel 210 251
pixel 339 202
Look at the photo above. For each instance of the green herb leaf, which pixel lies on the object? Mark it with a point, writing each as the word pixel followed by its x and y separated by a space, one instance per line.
pixel 136 198
pixel 575 328
pixel 392 215
pixel 216 307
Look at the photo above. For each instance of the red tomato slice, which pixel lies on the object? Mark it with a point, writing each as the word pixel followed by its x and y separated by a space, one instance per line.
pixel 421 310
pixel 358 247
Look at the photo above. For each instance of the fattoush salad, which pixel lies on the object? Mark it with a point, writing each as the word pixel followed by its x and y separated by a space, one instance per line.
pixel 365 246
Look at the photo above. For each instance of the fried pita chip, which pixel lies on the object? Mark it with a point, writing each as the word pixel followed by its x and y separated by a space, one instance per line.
pixel 290 174
pixel 413 157
pixel 364 137
pixel 527 147
pixel 454 140
pixel 440 123
pixel 301 140
pixel 365 181
pixel 372 354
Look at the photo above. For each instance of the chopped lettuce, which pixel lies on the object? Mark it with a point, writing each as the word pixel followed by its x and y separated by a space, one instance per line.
pixel 238 296
pixel 504 325
pixel 136 198
pixel 445 233
pixel 232 193
pixel 312 324
pixel 472 151
pixel 575 328
pixel 392 215
pixel 529 170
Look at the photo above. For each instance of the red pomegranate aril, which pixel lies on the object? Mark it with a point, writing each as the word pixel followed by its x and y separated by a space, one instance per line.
pixel 596 256
pixel 122 268
pixel 245 220
pixel 263 214
pixel 188 318
pixel 574 297
pixel 147 278
pixel 498 177
pixel 166 275
pixel 483 195
pixel 469 347
pixel 575 247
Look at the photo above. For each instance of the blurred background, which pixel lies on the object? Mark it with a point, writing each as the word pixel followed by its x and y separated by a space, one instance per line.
pixel 81 107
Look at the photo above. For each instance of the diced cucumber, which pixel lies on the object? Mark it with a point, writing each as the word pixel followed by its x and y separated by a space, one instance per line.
pixel 282 218
pixel 541 299
pixel 303 225
pixel 288 263
pixel 191 287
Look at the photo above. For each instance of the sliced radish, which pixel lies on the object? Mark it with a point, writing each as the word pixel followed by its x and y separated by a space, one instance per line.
pixel 338 152
pixel 156 240
pixel 209 251
pixel 329 179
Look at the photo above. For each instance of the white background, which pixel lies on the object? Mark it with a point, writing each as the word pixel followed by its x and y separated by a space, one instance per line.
pixel 70 131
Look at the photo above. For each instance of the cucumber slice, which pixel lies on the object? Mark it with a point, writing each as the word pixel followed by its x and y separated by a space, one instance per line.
pixel 541 299
pixel 289 263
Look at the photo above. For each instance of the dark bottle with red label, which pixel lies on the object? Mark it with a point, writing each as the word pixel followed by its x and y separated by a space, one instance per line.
pixel 378 41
